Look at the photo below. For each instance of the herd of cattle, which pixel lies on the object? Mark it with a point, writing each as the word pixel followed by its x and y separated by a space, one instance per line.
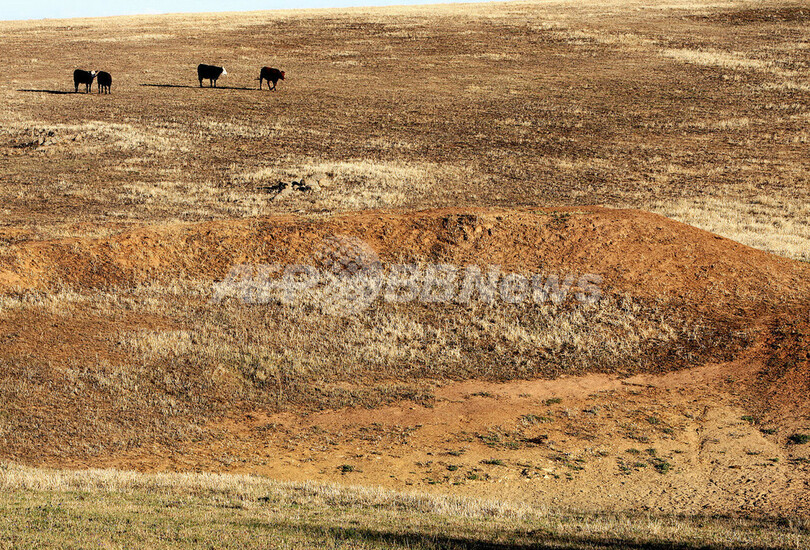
pixel 204 72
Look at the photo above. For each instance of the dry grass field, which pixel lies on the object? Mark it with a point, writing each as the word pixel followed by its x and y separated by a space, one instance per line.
pixel 696 110
pixel 184 510
pixel 662 147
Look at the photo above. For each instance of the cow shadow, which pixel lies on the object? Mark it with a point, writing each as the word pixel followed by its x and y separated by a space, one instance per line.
pixel 206 87
pixel 168 86
pixel 53 92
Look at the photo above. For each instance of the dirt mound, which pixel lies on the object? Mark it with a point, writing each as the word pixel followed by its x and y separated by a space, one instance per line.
pixel 535 399
pixel 633 251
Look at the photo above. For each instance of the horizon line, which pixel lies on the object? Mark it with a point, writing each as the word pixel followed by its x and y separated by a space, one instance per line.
pixel 347 6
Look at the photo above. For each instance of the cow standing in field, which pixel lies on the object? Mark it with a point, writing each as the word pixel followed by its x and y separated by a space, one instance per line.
pixel 270 75
pixel 104 82
pixel 83 77
pixel 210 72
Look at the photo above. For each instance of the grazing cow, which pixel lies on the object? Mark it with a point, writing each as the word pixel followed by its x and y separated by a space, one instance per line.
pixel 104 82
pixel 83 77
pixel 210 72
pixel 270 75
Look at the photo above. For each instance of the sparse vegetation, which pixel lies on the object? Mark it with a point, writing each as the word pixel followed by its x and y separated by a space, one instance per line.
pixel 661 466
pixel 531 419
pixel 799 439
pixel 484 394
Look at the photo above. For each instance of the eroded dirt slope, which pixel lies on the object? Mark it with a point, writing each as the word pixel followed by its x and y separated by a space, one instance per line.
pixel 99 372
pixel 634 251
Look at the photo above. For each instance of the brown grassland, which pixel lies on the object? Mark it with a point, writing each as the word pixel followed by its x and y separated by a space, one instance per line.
pixel 661 146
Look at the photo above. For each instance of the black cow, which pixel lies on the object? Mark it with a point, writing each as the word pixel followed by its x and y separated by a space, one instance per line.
pixel 83 77
pixel 270 75
pixel 210 72
pixel 104 82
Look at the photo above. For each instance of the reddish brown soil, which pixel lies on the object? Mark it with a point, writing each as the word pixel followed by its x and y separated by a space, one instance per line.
pixel 713 438
pixel 636 251
pixel 587 458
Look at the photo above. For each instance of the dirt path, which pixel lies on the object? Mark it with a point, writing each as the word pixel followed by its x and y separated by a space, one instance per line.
pixel 679 442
